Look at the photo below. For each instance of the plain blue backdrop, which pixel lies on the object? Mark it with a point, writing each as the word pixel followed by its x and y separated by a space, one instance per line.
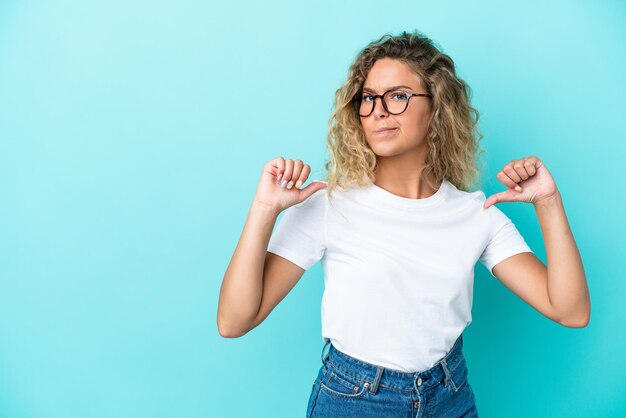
pixel 132 138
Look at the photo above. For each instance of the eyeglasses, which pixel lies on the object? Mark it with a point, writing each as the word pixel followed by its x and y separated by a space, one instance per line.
pixel 394 101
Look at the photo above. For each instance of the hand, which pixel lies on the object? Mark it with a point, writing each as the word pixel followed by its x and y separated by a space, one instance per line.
pixel 531 175
pixel 290 175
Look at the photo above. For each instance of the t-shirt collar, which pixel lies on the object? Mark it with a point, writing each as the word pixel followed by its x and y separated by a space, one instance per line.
pixel 391 199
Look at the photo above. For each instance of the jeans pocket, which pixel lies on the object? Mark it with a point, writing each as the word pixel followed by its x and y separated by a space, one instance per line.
pixel 340 384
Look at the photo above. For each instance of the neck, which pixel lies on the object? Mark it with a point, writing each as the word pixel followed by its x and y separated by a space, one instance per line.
pixel 402 179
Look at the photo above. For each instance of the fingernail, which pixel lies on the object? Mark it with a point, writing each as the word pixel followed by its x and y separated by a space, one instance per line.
pixel 519 189
pixel 298 184
pixel 290 184
pixel 282 186
pixel 279 176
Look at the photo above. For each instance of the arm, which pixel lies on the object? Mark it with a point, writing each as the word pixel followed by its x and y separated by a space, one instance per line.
pixel 242 286
pixel 567 284
pixel 559 291
pixel 257 280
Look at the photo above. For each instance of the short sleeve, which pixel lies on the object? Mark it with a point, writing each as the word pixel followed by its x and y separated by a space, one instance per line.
pixel 300 236
pixel 504 240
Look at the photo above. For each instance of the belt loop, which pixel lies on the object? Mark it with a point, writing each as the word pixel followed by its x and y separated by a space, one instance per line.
pixel 328 354
pixel 446 371
pixel 379 375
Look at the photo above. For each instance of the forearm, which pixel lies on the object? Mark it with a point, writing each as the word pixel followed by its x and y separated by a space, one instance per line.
pixel 242 286
pixel 567 284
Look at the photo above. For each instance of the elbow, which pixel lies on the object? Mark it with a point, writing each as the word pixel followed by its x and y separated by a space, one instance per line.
pixel 229 332
pixel 576 322
pixel 224 332
pixel 579 318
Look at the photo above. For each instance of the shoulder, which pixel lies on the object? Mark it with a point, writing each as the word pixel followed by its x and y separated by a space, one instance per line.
pixel 473 201
pixel 316 200
pixel 456 197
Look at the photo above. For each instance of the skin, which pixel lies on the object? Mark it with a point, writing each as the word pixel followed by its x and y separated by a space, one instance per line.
pixel 256 281
pixel 402 154
pixel 559 290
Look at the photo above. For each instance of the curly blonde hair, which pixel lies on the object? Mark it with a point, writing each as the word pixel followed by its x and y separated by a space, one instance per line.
pixel 453 136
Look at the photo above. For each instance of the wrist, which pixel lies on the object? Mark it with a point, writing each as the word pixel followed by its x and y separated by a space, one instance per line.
pixel 265 208
pixel 549 201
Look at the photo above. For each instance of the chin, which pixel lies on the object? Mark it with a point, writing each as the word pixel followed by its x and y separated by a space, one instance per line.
pixel 386 151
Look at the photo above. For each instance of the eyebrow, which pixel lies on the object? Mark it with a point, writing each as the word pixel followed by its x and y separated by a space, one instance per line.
pixel 390 88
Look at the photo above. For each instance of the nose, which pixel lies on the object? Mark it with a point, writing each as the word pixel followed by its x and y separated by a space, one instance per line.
pixel 379 108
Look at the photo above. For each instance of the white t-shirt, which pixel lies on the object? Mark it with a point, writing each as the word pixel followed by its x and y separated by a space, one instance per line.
pixel 398 272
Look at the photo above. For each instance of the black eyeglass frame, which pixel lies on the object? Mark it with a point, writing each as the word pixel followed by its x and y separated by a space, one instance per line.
pixel 357 97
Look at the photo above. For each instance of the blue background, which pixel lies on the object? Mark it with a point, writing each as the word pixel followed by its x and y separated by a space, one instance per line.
pixel 132 138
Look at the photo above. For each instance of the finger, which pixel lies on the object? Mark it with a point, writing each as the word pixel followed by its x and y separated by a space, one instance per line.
pixel 287 176
pixel 489 201
pixel 297 168
pixel 520 169
pixel 505 196
pixel 506 180
pixel 529 164
pixel 306 170
pixel 510 171
pixel 279 164
pixel 312 188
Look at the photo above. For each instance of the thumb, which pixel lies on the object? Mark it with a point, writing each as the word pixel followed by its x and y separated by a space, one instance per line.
pixel 505 196
pixel 312 188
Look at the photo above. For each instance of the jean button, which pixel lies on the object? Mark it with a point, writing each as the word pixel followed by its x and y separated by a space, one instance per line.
pixel 419 382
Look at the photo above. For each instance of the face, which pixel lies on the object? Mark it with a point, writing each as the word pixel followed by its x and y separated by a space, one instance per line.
pixel 411 126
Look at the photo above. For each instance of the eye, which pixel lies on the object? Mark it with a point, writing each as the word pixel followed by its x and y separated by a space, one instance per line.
pixel 365 97
pixel 399 95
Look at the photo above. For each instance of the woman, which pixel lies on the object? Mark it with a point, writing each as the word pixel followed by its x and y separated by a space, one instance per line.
pixel 399 233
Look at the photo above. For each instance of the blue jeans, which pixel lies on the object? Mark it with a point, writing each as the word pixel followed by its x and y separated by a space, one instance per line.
pixel 348 387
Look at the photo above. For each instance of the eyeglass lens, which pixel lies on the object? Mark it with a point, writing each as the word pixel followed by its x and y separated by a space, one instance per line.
pixel 396 102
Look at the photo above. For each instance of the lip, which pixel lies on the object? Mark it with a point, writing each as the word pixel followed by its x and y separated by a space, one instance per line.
pixel 386 131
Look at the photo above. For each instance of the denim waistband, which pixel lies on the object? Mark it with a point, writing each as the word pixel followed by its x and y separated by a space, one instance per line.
pixel 444 371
